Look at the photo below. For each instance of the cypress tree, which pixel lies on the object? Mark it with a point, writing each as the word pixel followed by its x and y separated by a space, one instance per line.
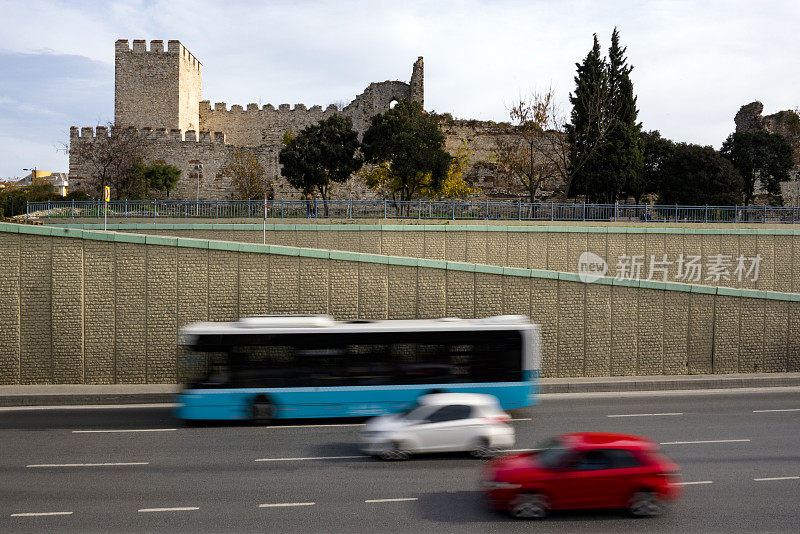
pixel 622 154
pixel 606 150
pixel 586 130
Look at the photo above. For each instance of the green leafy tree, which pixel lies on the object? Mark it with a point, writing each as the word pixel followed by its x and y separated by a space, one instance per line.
pixel 161 176
pixel 656 150
pixel 408 144
pixel 759 155
pixel 321 154
pixel 699 175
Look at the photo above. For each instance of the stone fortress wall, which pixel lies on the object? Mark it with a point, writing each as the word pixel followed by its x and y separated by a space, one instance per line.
pixel 161 89
pixel 158 92
pixel 97 307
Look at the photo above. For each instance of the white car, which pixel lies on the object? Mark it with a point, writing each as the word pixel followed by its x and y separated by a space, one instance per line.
pixel 441 422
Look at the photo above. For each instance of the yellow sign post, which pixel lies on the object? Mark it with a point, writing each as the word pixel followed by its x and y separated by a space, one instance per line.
pixel 107 199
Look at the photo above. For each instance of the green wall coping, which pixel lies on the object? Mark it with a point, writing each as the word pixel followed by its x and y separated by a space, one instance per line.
pixel 460 266
pixel 98 235
pixel 161 240
pixel 402 260
pixel 488 269
pixel 432 228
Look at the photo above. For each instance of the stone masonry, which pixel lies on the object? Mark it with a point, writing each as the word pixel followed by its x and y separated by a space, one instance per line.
pixel 104 307
pixel 158 92
pixel 531 247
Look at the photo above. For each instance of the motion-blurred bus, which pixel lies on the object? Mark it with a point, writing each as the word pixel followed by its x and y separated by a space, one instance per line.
pixel 275 367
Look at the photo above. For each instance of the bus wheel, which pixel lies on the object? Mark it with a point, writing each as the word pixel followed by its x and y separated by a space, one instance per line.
pixel 262 410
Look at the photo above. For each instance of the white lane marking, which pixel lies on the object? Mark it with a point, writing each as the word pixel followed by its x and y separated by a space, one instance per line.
pixel 522 419
pixel 282 504
pixel 313 426
pixel 644 414
pixel 309 458
pixel 519 450
pixel 124 431
pixel 39 514
pixel 782 410
pixel 176 509
pixel 704 441
pixel 87 407
pixel 775 478
pixel 692 483
pixel 403 499
pixel 106 464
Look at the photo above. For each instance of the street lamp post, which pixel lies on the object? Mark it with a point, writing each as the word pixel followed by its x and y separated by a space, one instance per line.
pixel 198 168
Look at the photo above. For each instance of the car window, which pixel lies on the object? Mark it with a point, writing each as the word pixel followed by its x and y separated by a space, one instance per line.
pixel 418 414
pixel 592 461
pixel 621 459
pixel 552 454
pixel 450 413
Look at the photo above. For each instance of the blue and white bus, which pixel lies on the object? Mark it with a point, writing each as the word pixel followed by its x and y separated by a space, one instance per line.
pixel 275 367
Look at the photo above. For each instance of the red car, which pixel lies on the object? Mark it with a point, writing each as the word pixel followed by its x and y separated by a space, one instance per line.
pixel 584 470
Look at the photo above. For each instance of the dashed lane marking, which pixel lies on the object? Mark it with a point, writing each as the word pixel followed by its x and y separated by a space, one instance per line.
pixel 775 478
pixel 123 431
pixel 176 509
pixel 781 410
pixel 309 458
pixel 39 514
pixel 693 483
pixel 402 499
pixel 285 504
pixel 105 464
pixel 644 414
pixel 704 441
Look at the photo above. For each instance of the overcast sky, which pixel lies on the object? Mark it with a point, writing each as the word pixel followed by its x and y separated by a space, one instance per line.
pixel 695 62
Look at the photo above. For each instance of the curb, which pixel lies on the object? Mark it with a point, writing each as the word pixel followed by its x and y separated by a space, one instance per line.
pixel 11 396
pixel 670 383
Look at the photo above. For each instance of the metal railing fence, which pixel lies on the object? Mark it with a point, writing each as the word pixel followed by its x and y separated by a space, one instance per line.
pixel 415 209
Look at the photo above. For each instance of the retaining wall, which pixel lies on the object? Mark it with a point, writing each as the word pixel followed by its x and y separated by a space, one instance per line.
pixel 556 248
pixel 97 307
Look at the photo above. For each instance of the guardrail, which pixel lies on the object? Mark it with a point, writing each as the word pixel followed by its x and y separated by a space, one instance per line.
pixel 416 209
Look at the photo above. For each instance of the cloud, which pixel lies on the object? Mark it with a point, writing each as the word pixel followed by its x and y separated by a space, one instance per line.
pixel 695 62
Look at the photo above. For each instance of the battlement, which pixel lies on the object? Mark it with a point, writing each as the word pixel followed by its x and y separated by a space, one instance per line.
pixel 205 105
pixel 157 134
pixel 174 47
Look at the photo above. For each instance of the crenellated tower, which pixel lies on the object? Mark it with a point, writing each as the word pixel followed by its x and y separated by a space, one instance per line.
pixel 156 88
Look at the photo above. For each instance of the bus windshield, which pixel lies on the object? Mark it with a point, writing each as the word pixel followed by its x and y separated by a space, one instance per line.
pixel 355 359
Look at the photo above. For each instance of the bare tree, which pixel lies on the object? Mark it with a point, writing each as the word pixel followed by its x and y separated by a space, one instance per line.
pixel 536 149
pixel 113 161
pixel 247 174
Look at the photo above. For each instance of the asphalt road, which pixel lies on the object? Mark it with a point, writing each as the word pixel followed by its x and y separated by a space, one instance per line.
pixel 741 461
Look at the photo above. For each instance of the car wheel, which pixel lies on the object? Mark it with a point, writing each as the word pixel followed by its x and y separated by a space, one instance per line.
pixel 482 450
pixel 645 503
pixel 394 451
pixel 262 411
pixel 529 506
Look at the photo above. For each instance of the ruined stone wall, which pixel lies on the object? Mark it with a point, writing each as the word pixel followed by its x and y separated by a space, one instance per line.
pixel 101 308
pixel 785 123
pixel 481 139
pixel 156 88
